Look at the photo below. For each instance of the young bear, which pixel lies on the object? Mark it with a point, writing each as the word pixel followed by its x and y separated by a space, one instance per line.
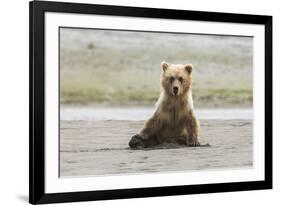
pixel 174 119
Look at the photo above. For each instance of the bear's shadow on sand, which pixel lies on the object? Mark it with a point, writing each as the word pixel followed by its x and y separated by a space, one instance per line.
pixel 137 143
pixel 168 146
pixel 156 147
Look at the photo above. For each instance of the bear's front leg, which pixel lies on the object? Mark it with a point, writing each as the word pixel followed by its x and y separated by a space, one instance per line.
pixel 146 138
pixel 193 128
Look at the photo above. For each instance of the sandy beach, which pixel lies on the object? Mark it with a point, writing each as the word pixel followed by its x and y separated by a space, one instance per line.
pixel 90 148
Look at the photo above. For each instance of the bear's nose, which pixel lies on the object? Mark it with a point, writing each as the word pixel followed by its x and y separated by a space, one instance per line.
pixel 175 89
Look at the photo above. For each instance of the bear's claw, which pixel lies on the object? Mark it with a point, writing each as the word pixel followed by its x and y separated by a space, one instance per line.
pixel 136 142
pixel 194 144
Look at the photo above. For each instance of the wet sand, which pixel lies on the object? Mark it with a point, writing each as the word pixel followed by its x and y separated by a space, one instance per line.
pixel 101 148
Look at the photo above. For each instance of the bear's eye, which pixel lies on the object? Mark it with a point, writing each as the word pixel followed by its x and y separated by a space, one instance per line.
pixel 172 79
pixel 181 79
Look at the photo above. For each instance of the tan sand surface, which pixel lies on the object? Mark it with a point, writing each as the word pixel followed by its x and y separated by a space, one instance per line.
pixel 101 148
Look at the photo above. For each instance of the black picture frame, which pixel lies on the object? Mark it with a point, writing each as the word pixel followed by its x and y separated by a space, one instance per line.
pixel 37 9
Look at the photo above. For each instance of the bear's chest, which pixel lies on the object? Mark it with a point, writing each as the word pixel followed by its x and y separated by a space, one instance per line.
pixel 174 119
pixel 175 114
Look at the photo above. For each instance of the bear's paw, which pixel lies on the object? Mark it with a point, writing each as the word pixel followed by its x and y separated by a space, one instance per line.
pixel 136 142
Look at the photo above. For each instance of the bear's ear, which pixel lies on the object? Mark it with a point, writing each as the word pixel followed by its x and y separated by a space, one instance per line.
pixel 164 66
pixel 188 68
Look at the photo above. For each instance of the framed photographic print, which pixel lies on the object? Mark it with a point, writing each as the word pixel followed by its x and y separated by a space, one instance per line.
pixel 140 102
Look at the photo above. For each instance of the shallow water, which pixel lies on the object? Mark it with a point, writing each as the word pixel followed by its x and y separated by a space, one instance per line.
pixel 69 113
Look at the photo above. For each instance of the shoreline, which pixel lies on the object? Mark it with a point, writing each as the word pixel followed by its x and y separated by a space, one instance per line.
pixel 149 105
pixel 92 113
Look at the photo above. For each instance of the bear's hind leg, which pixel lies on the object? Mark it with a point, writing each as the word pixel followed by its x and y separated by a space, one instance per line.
pixel 137 142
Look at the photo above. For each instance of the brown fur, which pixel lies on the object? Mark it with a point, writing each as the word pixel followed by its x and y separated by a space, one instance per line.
pixel 174 119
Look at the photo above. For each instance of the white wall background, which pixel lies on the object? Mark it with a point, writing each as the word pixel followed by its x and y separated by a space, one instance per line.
pixel 14 100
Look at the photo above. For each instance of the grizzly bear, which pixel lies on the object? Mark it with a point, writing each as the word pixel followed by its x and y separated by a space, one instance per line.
pixel 174 119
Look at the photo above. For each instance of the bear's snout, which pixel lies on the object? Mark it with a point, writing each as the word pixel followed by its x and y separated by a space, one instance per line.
pixel 175 90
